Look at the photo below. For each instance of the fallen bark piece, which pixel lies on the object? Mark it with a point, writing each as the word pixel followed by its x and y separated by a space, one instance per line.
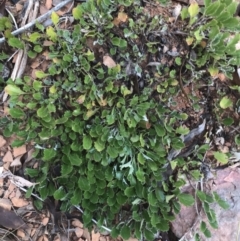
pixel 9 219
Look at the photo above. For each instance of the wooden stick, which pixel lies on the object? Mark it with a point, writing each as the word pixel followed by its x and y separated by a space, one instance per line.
pixel 39 19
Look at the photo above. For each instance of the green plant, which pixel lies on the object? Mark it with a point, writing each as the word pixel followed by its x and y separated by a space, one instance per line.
pixel 108 135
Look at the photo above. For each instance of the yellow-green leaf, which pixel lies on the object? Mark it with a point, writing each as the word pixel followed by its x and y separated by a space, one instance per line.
pixel 34 37
pixel 193 9
pixel 13 90
pixel 15 42
pixel 81 99
pixel 55 18
pixel 213 71
pixel 52 89
pixel 225 102
pixel 77 12
pixel 221 157
pixel 51 33
pixel 40 74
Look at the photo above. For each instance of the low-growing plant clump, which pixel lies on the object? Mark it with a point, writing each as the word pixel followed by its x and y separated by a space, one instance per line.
pixel 102 116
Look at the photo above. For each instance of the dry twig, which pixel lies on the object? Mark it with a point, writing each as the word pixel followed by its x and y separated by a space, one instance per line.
pixel 39 20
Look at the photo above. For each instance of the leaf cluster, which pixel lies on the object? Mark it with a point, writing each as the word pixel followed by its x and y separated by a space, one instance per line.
pixel 100 143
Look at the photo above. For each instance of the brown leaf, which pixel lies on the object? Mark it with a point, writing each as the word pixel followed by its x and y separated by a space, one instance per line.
pixel 95 236
pixel 86 234
pixel 17 151
pixel 122 17
pixel 47 43
pixel 8 157
pixel 108 61
pixel 18 7
pixel 16 162
pixel 79 232
pixel 45 221
pixel 20 233
pixel 43 9
pixel 19 202
pixel 102 238
pixel 35 64
pixel 9 219
pixel 2 141
pixel 77 223
pixel 29 155
pixel 48 4
pixel 5 203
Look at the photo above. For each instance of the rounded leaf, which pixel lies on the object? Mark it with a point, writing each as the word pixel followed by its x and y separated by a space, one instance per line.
pixel 225 102
pixel 125 232
pixel 13 90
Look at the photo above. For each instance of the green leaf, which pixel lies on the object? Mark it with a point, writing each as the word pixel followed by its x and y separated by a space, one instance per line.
pixel 129 191
pixel 225 102
pixel 40 74
pixel 31 172
pixel 207 3
pixel 29 192
pixel 203 226
pixel 113 153
pixel 152 199
pixel 125 232
pixel 42 112
pixel 75 159
pixel 83 183
pixel 99 145
pixel 148 234
pixel 228 121
pixel 160 195
pixel 184 13
pixel 231 23
pixel 160 130
pixel 49 154
pixel 16 43
pixel 13 90
pixel 201 195
pixel 237 139
pixel 37 85
pixel 121 198
pixel 182 130
pixel 37 96
pixel 66 169
pixel 77 12
pixel 39 26
pixel 119 42
pixel 59 194
pixel 231 8
pixel 223 204
pixel 87 142
pixel 55 18
pixel 77 196
pixel 141 158
pixel 16 113
pixel 18 143
pixel 140 176
pixel 221 157
pixel 51 33
pixel 212 8
pixel 38 48
pixel 115 232
pixel 207 233
pixel 163 225
pixel 62 120
pixel 33 37
pixel 186 199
